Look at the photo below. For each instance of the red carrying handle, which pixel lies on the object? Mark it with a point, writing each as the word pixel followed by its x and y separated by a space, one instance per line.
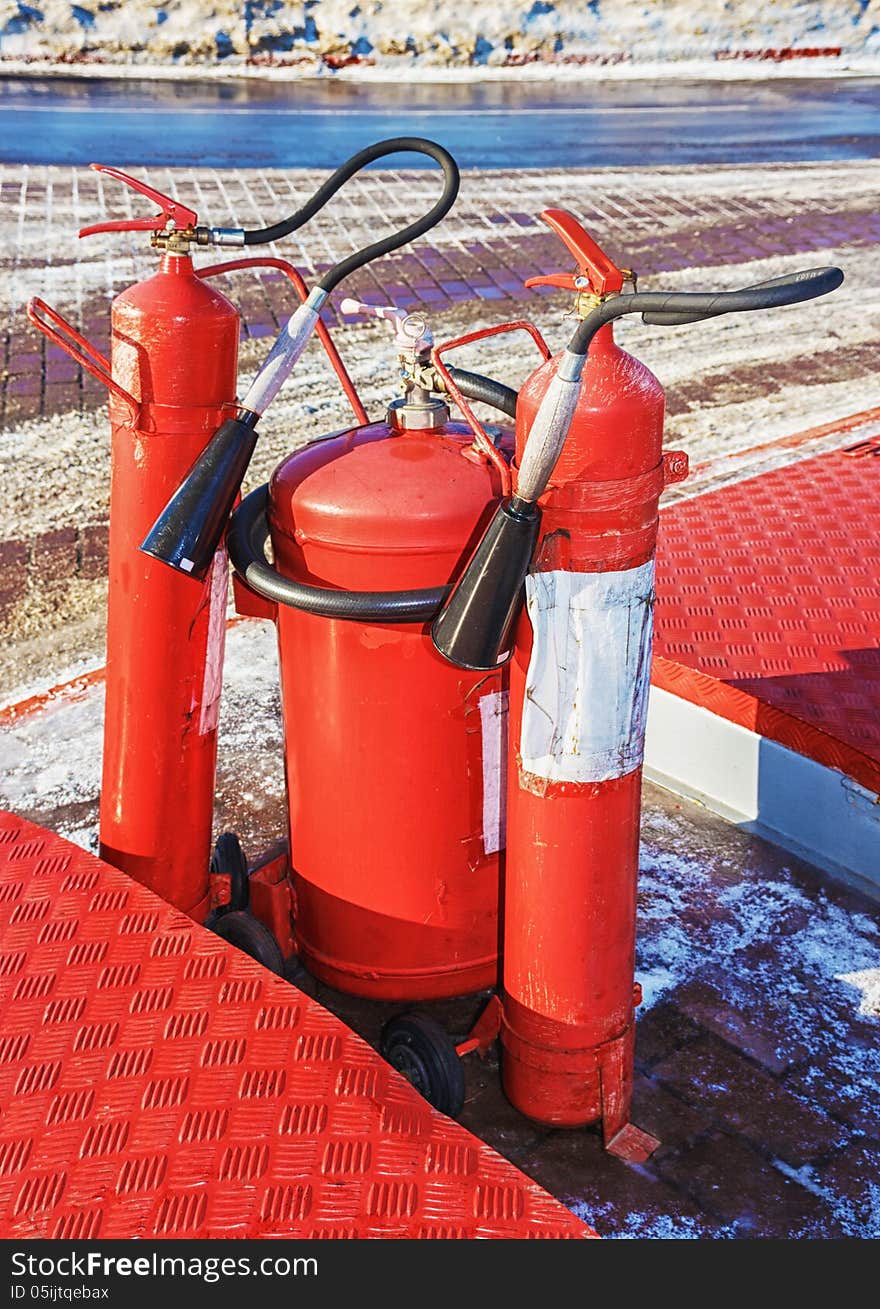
pixel 267 261
pixel 61 333
pixel 482 440
pixel 54 326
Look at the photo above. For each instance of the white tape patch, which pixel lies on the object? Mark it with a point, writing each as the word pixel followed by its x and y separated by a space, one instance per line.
pixel 213 683
pixel 493 721
pixel 587 687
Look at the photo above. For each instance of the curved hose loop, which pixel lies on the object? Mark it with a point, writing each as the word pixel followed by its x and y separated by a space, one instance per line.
pixel 675 308
pixel 474 386
pixel 776 292
pixel 246 542
pixel 395 145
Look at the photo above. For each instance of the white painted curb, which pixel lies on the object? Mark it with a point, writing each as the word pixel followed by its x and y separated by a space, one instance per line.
pixel 813 811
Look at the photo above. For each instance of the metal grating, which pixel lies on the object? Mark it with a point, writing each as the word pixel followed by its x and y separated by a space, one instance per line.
pixel 768 608
pixel 156 1082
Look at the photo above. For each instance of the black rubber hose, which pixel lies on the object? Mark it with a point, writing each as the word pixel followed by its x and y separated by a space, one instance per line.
pixel 246 542
pixel 396 145
pixel 670 309
pixel 474 386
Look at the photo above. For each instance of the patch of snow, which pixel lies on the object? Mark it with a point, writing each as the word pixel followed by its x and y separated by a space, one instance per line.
pixel 52 759
pixel 857 1218
pixel 635 1225
pixel 655 982
pixel 768 943
pixel 867 981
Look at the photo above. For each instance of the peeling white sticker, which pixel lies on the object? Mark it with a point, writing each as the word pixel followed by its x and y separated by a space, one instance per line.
pixel 213 683
pixel 587 686
pixel 493 721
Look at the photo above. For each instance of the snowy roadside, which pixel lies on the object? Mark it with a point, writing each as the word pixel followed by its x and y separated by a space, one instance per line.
pixel 443 40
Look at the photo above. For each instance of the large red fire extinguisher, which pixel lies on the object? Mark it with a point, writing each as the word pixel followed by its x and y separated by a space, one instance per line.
pixel 393 756
pixel 577 540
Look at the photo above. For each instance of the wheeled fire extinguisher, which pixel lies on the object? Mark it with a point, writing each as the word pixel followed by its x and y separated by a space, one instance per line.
pixel 172 378
pixel 576 541
pixel 393 756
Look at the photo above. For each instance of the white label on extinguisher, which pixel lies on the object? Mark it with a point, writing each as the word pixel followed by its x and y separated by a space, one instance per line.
pixel 493 722
pixel 587 689
pixel 218 593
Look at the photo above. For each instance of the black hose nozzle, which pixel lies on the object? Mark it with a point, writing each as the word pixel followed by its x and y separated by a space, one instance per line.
pixel 474 629
pixel 190 527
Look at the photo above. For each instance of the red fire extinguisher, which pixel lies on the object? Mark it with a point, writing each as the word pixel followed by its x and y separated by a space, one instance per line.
pixel 164 643
pixel 577 540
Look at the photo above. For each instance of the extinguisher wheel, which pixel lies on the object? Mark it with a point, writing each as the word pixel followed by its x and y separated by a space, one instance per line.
pixel 249 935
pixel 228 860
pixel 426 1056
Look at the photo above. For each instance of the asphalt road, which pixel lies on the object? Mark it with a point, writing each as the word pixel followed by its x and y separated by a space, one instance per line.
pixel 489 125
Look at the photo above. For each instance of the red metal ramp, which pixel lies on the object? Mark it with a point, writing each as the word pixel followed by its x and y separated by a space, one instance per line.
pixel 156 1082
pixel 768 616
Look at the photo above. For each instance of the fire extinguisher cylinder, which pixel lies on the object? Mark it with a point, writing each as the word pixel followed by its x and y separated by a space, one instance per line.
pixel 579 678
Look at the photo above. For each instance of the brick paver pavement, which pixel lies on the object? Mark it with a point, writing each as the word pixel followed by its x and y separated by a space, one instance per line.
pixel 658 221
pixel 470 272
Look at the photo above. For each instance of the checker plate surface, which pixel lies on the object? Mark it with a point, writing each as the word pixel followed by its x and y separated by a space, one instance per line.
pixel 768 607
pixel 156 1082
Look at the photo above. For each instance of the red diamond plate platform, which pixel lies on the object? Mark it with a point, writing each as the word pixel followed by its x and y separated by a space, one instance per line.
pixel 768 609
pixel 156 1082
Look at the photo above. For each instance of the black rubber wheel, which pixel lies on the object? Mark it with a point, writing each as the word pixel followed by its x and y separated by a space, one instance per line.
pixel 420 1049
pixel 228 860
pixel 249 935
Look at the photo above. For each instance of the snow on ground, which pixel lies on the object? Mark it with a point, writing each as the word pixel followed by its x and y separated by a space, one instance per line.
pixel 635 1226
pixel 39 778
pixel 774 946
pixel 37 775
pixel 309 36
pixel 867 980
pixel 732 384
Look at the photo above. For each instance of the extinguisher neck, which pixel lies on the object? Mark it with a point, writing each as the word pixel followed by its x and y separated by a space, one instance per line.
pixel 603 341
pixel 173 264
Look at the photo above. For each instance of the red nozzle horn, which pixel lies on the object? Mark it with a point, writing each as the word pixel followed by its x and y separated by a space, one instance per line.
pixel 170 210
